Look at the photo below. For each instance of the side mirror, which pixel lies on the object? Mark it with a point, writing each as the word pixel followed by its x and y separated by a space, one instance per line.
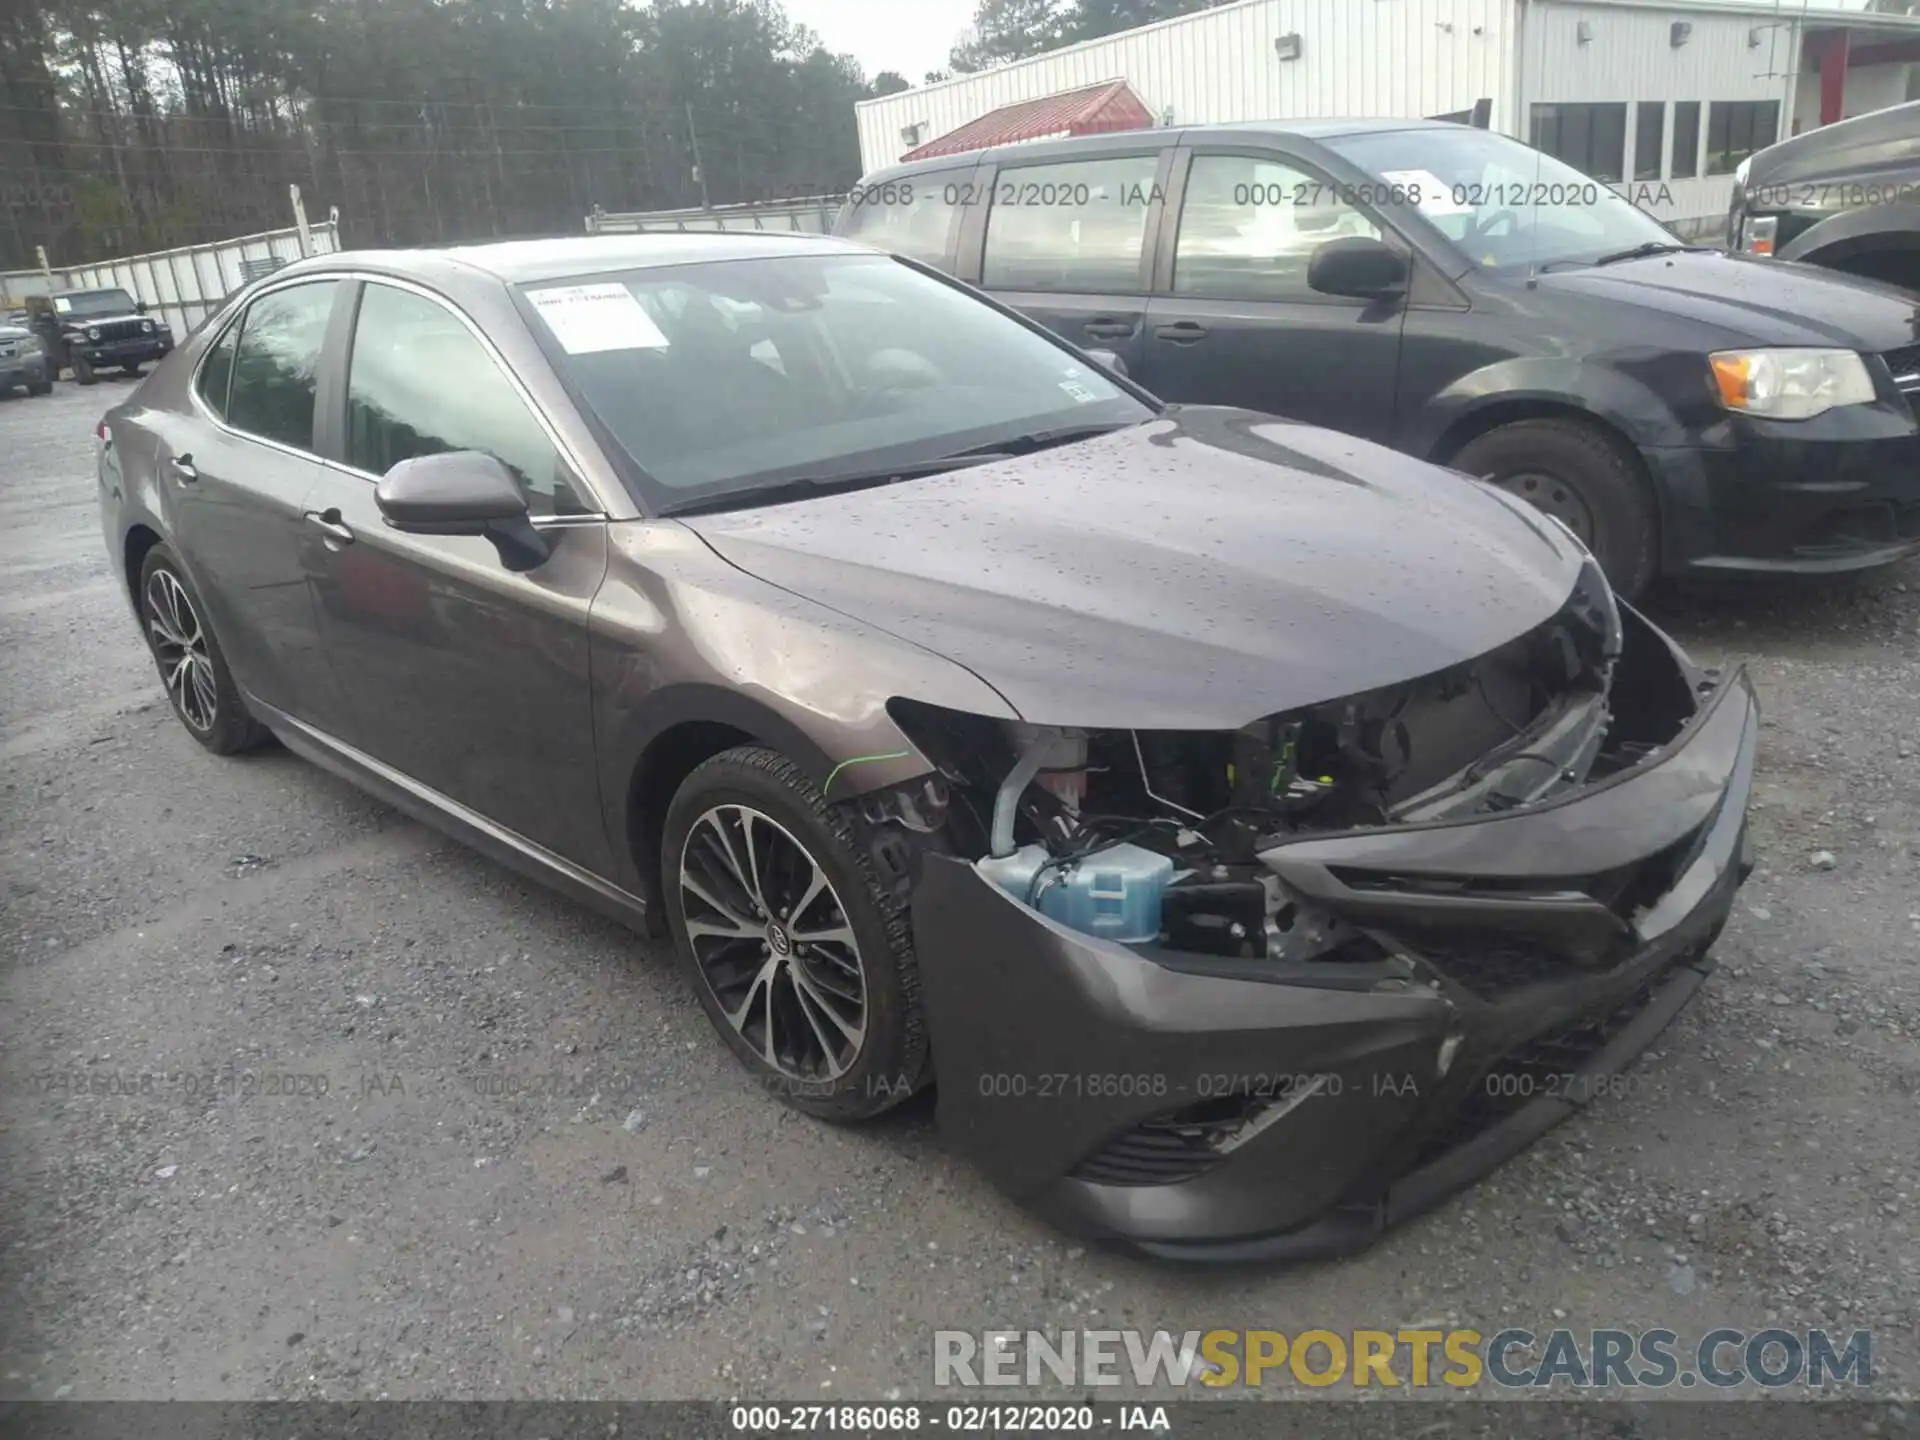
pixel 1109 359
pixel 140 307
pixel 1357 266
pixel 462 492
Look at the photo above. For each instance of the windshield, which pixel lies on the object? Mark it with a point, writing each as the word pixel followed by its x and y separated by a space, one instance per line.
pixel 95 302
pixel 1505 205
pixel 724 377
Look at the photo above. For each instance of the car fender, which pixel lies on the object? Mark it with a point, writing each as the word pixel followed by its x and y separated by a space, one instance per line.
pixel 1609 395
pixel 1870 227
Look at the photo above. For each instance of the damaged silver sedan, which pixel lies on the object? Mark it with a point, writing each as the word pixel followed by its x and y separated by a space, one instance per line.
pixel 1255 833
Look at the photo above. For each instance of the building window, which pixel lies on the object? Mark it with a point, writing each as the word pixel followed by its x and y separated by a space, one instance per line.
pixel 1592 138
pixel 1737 128
pixel 1649 138
pixel 1686 139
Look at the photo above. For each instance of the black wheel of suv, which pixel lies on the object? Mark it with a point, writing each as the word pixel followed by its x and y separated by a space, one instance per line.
pixel 83 372
pixel 1584 477
pixel 133 370
pixel 802 960
pixel 199 686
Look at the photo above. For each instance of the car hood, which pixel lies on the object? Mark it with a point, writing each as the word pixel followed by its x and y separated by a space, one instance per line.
pixel 1750 301
pixel 81 322
pixel 1198 571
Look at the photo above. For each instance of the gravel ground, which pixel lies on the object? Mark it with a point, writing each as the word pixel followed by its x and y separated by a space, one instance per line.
pixel 534 1172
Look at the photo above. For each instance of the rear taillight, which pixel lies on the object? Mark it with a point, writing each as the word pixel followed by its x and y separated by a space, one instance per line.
pixel 102 433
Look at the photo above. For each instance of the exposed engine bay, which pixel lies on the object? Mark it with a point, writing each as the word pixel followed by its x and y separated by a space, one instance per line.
pixel 1154 836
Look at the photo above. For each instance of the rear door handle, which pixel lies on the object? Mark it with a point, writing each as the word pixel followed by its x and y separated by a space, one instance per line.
pixel 183 469
pixel 1108 329
pixel 1181 332
pixel 329 524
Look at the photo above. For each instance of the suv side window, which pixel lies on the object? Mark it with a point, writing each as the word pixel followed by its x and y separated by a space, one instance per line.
pixel 1078 226
pixel 277 363
pixel 216 372
pixel 1249 227
pixel 419 383
pixel 912 216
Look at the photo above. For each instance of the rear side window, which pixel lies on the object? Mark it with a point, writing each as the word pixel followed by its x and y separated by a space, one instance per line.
pixel 277 364
pixel 912 217
pixel 1249 227
pixel 1078 226
pixel 217 373
pixel 419 383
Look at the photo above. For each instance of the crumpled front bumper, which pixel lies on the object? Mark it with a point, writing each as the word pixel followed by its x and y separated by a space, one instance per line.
pixel 1207 1108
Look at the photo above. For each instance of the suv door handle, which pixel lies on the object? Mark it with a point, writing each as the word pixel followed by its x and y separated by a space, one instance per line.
pixel 1108 329
pixel 1181 332
pixel 329 524
pixel 183 469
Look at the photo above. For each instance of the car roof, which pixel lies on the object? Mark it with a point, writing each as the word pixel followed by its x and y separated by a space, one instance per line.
pixel 1311 130
pixel 518 261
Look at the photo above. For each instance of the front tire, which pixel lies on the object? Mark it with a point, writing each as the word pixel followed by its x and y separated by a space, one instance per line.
pixel 83 372
pixel 132 370
pixel 40 387
pixel 1584 477
pixel 199 686
pixel 802 960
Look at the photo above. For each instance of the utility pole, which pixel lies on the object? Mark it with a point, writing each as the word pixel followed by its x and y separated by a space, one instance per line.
pixel 699 171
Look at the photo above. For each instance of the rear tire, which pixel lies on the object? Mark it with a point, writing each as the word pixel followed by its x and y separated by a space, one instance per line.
pixel 773 974
pixel 1585 477
pixel 40 387
pixel 83 372
pixel 199 685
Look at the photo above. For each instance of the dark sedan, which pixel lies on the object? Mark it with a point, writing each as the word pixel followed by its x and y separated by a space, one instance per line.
pixel 1228 813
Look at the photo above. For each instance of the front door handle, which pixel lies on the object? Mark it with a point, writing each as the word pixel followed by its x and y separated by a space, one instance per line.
pixel 1181 332
pixel 1109 329
pixel 329 524
pixel 183 469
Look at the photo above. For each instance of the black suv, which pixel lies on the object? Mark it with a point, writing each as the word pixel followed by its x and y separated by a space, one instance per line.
pixel 95 330
pixel 1845 196
pixel 1456 295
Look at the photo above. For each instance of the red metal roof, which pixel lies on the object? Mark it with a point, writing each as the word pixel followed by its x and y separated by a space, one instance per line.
pixel 1093 110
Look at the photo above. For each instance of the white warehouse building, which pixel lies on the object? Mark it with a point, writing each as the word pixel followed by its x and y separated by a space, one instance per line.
pixel 1663 98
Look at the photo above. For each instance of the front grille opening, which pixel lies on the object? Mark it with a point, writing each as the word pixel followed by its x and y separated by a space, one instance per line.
pixel 1845 532
pixel 1489 966
pixel 1539 1069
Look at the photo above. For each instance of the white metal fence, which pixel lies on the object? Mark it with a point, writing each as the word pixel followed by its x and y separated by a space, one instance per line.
pixel 809 215
pixel 181 286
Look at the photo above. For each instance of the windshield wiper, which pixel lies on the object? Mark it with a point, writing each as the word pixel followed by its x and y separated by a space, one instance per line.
pixel 1044 439
pixel 808 487
pixel 1651 247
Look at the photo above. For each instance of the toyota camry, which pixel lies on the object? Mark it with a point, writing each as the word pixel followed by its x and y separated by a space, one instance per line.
pixel 1254 833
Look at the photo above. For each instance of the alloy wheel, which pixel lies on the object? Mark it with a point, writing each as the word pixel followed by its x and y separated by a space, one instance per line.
pixel 180 646
pixel 773 941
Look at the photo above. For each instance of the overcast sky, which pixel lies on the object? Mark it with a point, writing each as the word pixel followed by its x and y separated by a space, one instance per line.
pixel 911 36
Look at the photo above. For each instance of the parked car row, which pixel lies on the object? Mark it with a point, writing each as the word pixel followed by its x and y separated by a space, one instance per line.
pixel 1223 811
pixel 1461 297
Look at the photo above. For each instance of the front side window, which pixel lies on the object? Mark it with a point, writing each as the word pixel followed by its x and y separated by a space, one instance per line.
pixel 419 383
pixel 1591 138
pixel 1503 206
pixel 1737 128
pixel 1080 226
pixel 911 217
pixel 1249 227
pixel 277 364
pixel 723 377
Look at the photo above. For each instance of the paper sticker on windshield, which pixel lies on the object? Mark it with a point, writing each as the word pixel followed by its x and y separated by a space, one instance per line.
pixel 1079 392
pixel 1429 193
pixel 587 319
